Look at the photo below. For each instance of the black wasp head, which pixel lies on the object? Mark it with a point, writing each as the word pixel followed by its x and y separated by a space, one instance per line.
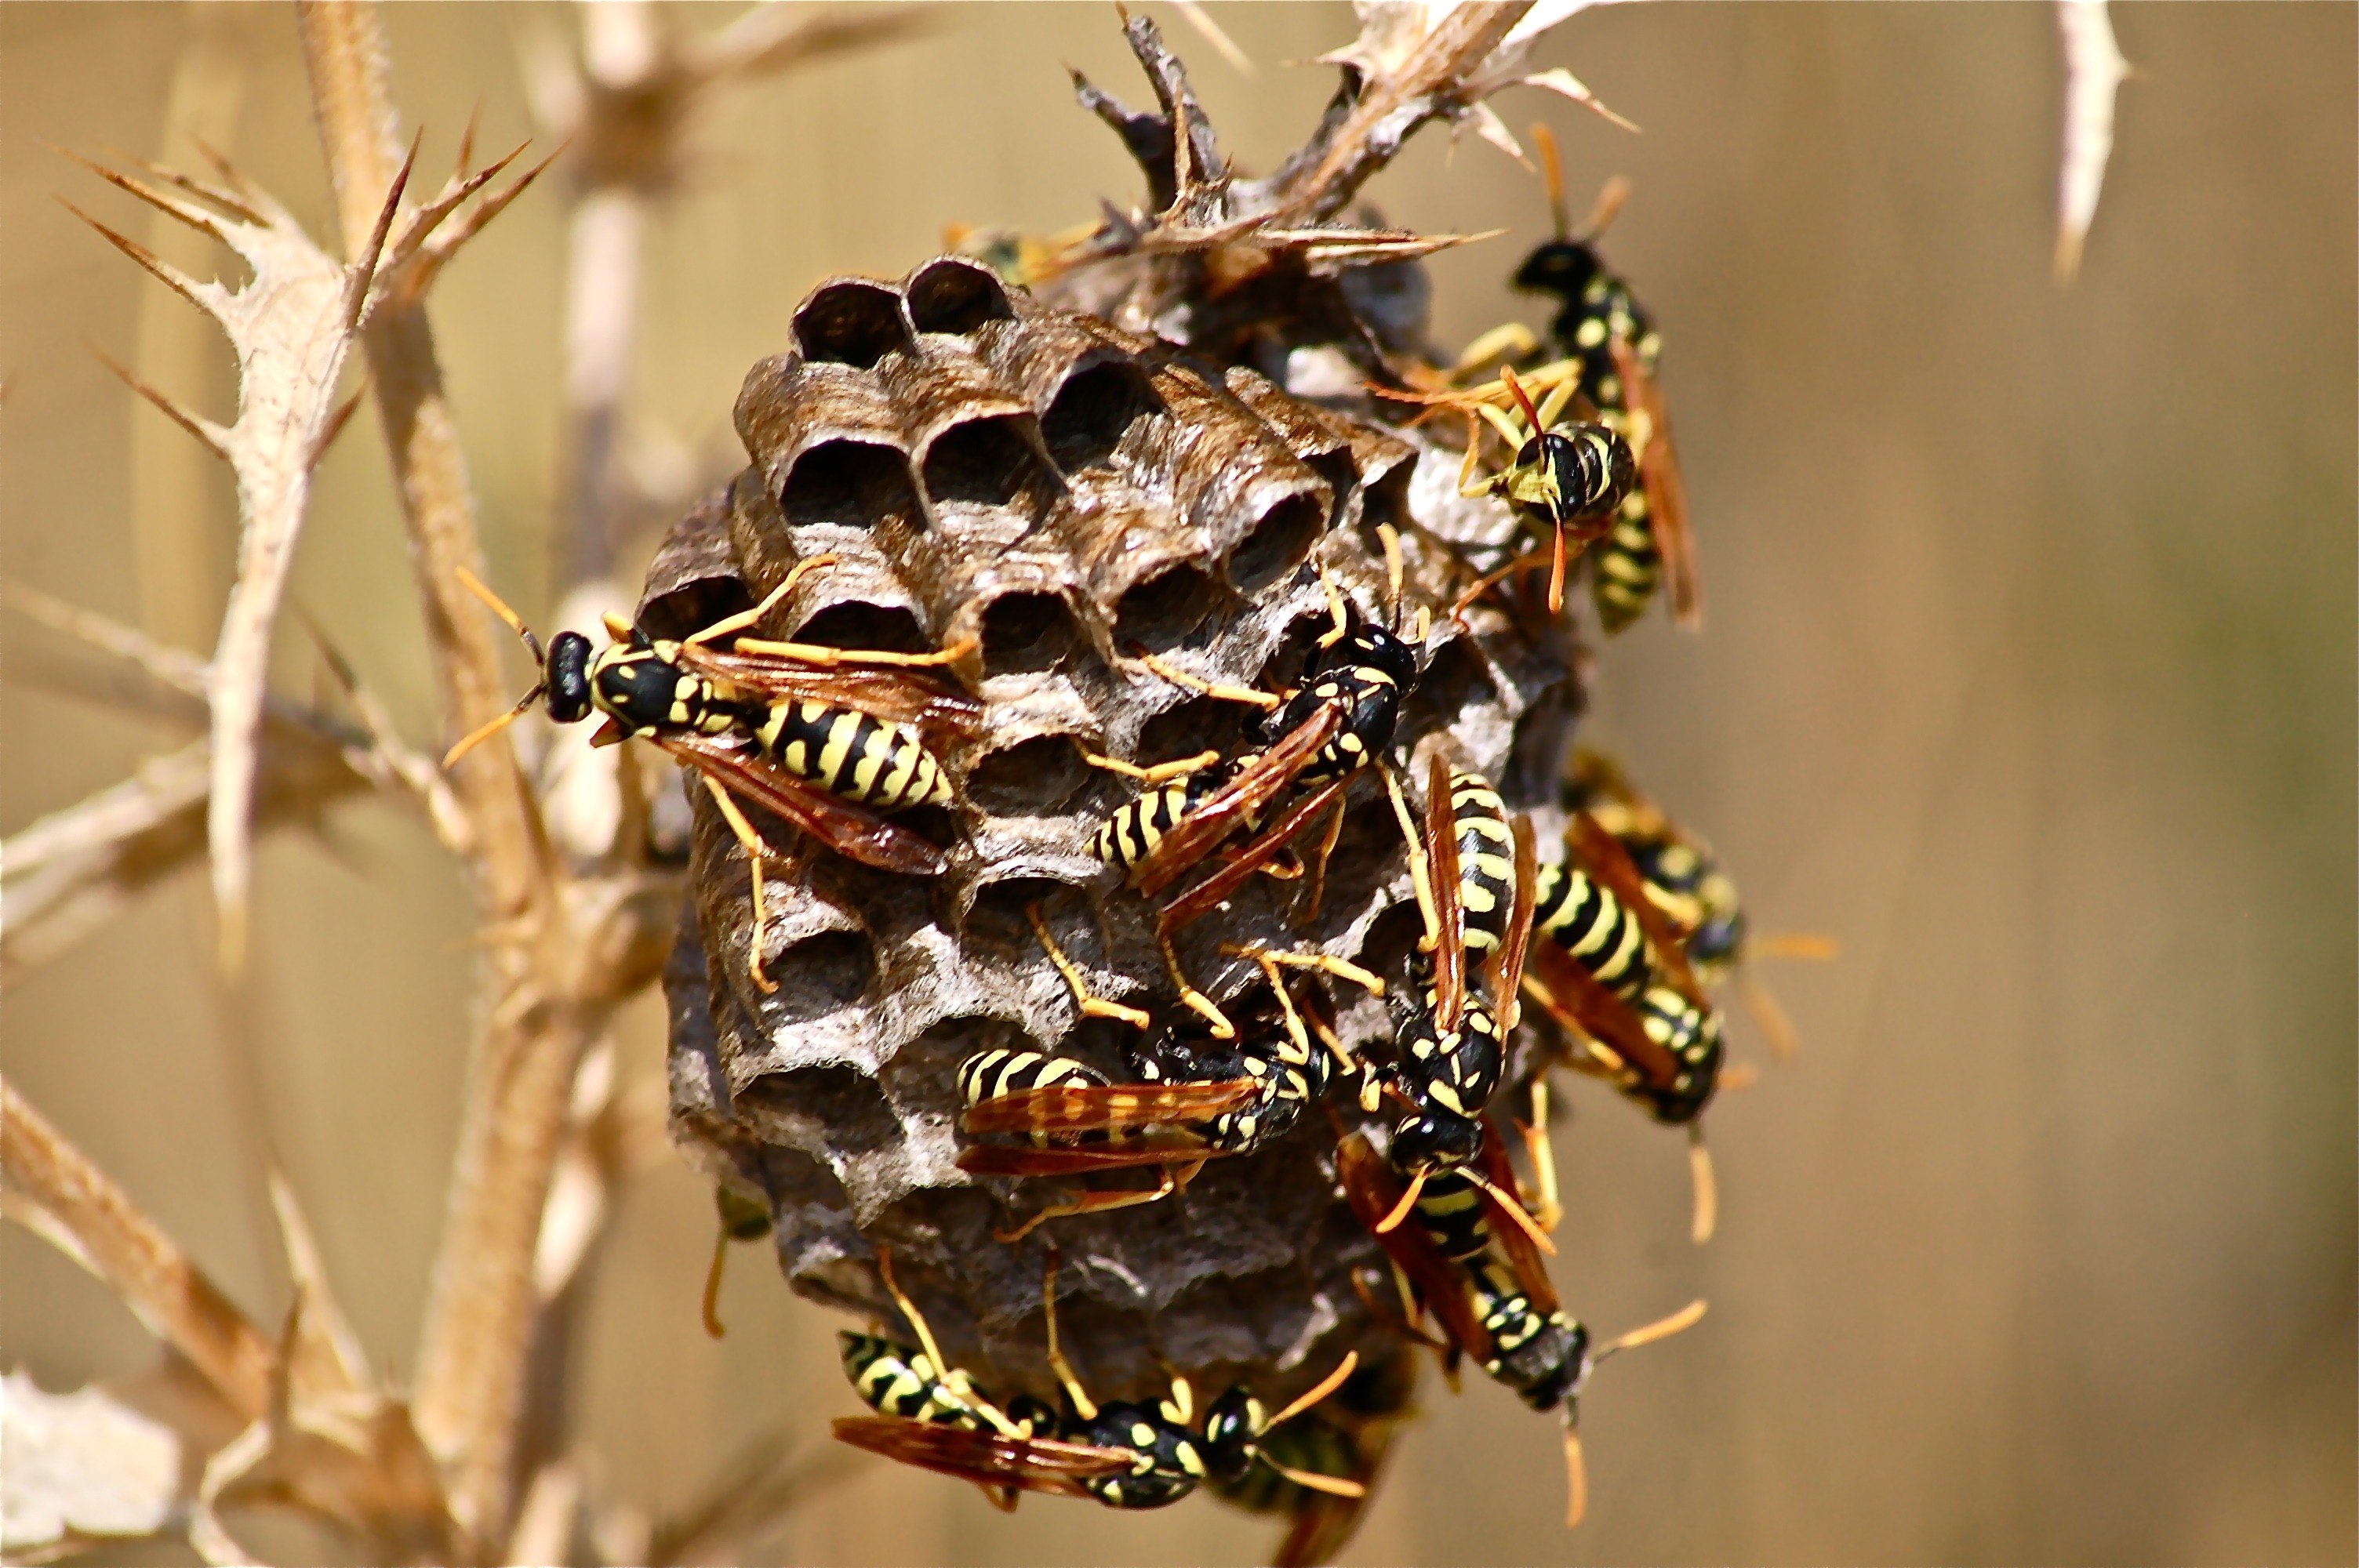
pixel 1561 266
pixel 1232 1427
pixel 569 677
pixel 1377 647
pixel 1433 1139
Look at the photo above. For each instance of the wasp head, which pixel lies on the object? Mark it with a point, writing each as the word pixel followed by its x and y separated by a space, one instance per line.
pixel 1433 1139
pixel 1232 1427
pixel 569 677
pixel 1561 266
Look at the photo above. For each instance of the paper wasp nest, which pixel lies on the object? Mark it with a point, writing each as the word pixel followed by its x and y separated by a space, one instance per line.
pixel 984 465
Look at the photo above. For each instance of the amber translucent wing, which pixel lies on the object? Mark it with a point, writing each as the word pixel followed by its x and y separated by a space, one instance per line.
pixel 1441 870
pixel 1321 1527
pixel 1107 1107
pixel 1667 490
pixel 1602 856
pixel 892 695
pixel 851 830
pixel 1580 1000
pixel 1507 964
pixel 993 1160
pixel 1256 784
pixel 1373 1190
pixel 1215 890
pixel 1035 1464
pixel 1523 1255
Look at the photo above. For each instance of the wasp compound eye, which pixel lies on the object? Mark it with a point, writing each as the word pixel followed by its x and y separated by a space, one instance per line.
pixel 569 677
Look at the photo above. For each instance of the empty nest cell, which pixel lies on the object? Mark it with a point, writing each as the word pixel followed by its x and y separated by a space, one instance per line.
pixel 990 461
pixel 849 321
pixel 1031 778
pixel 1158 613
pixel 1277 543
pixel 1025 632
pixel 855 484
pixel 955 296
pixel 1093 410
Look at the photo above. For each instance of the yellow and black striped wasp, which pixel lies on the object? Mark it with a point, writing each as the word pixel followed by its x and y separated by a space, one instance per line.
pixel 1124 1455
pixel 931 1415
pixel 831 740
pixel 1315 741
pixel 1348 1436
pixel 1603 332
pixel 1194 1097
pixel 1487 1285
pixel 1687 882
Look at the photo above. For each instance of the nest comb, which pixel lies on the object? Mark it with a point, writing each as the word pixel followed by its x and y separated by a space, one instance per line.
pixel 1065 493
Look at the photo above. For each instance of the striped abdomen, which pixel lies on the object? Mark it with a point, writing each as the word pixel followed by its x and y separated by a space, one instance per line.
pixel 1688 885
pixel 1486 862
pixel 1450 1208
pixel 1542 1355
pixel 853 756
pixel 1585 918
pixel 1131 834
pixel 987 1074
pixel 1626 565
pixel 900 1379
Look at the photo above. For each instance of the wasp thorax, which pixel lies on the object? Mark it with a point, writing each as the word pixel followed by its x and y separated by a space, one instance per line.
pixel 569 677
pixel 639 689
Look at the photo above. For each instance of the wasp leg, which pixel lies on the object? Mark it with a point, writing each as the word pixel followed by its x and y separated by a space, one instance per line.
pixel 1485 584
pixel 1307 908
pixel 1178 677
pixel 1550 1213
pixel 1097 1203
pixel 713 1326
pixel 1196 1002
pixel 820 654
pixel 755 851
pixel 1085 1407
pixel 1160 773
pixel 1420 876
pixel 1270 959
pixel 1553 404
pixel 1091 1004
pixel 1508 341
pixel 744 618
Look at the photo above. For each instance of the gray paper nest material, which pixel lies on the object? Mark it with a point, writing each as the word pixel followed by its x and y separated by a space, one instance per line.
pixel 984 465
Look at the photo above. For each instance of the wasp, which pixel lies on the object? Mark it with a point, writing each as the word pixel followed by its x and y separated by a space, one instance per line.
pixel 1687 882
pixel 797 728
pixel 1487 1287
pixel 1126 1455
pixel 1602 329
pixel 1451 1050
pixel 1347 1438
pixel 929 1414
pixel 1195 1096
pixel 1314 740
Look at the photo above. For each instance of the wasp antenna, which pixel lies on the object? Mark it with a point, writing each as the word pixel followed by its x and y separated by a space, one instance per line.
pixel 1552 171
pixel 1679 1322
pixel 1515 386
pixel 1327 1385
pixel 485 733
pixel 1610 198
pixel 1313 1480
pixel 1707 1186
pixel 499 606
pixel 1576 1478
pixel 1391 1222
pixel 1514 1211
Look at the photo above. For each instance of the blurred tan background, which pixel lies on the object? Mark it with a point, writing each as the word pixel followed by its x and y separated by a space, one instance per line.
pixel 2027 674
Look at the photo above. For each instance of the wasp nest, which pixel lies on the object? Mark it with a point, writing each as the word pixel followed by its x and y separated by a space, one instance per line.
pixel 1065 494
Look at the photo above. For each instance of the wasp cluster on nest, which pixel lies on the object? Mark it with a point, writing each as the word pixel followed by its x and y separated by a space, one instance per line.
pixel 1104 510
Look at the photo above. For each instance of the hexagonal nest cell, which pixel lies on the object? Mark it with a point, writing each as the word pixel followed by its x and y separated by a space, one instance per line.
pixel 983 466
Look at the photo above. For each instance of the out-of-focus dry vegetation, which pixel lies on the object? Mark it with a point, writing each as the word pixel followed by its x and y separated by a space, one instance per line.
pixel 2026 674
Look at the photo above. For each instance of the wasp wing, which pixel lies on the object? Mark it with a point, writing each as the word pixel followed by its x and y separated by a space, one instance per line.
pixel 1667 490
pixel 990 1458
pixel 851 830
pixel 1602 856
pixel 1216 889
pixel 1107 1107
pixel 1448 906
pixel 1257 784
pixel 1507 964
pixel 1510 1231
pixel 1580 1003
pixel 1373 1192
pixel 996 1160
pixel 891 695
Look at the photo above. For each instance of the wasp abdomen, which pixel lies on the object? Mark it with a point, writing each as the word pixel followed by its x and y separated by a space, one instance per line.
pixel 1486 861
pixel 853 756
pixel 1583 917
